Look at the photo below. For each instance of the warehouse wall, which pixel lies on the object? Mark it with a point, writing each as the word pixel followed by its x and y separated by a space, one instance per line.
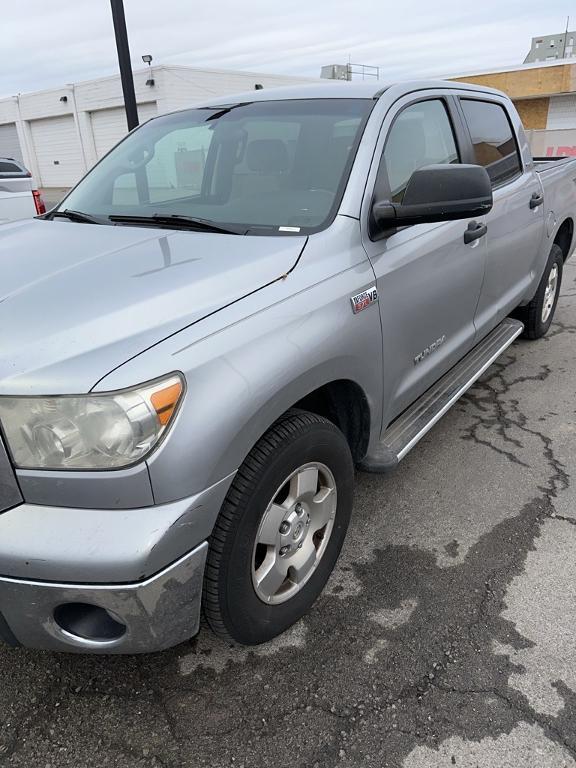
pixel 183 86
pixel 56 128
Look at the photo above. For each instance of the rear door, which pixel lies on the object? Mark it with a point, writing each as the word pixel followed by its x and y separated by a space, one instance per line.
pixel 428 278
pixel 516 221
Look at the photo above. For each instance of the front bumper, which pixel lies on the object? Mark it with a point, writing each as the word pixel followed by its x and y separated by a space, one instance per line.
pixel 151 615
pixel 105 580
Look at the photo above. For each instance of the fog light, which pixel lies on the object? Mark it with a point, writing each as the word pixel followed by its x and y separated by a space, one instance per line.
pixel 88 622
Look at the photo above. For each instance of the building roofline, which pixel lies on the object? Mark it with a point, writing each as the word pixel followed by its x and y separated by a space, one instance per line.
pixel 156 68
pixel 514 68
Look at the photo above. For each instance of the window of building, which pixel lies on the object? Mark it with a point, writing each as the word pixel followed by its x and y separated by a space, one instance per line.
pixel 421 135
pixel 551 43
pixel 494 143
pixel 537 44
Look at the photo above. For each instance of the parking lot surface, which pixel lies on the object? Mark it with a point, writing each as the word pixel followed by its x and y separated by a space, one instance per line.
pixel 445 637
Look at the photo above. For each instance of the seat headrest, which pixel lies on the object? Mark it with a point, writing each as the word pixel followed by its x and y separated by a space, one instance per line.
pixel 267 156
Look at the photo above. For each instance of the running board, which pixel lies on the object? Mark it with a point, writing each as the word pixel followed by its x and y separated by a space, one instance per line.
pixel 411 426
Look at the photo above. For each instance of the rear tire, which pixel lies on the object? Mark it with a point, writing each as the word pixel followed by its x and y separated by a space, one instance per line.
pixel 537 316
pixel 287 509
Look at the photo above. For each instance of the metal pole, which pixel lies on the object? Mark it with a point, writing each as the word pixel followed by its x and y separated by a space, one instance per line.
pixel 565 37
pixel 124 62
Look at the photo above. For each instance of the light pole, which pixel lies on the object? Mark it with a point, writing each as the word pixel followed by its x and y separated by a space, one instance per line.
pixel 124 61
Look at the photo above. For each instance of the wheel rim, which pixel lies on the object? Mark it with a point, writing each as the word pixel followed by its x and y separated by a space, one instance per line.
pixel 294 533
pixel 550 293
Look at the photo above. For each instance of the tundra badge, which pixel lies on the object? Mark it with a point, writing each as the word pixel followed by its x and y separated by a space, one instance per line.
pixel 364 299
pixel 428 351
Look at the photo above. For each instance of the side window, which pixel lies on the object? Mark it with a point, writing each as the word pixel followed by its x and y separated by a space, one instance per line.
pixel 421 135
pixel 8 168
pixel 494 143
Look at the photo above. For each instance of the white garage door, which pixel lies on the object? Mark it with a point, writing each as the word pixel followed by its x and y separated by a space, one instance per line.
pixel 9 142
pixel 561 112
pixel 109 125
pixel 57 151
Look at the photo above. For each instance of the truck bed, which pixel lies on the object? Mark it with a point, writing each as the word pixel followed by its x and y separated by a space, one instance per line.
pixel 543 164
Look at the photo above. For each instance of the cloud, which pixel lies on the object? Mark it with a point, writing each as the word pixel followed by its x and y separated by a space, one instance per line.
pixel 49 44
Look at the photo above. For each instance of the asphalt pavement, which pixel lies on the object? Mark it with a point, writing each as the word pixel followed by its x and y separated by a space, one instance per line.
pixel 445 637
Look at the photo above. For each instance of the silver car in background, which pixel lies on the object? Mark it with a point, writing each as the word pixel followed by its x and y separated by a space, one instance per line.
pixel 19 195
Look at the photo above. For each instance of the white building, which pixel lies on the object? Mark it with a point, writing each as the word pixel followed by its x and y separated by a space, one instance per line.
pixel 60 133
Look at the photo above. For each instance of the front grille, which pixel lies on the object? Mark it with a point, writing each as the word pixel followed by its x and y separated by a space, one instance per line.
pixel 9 492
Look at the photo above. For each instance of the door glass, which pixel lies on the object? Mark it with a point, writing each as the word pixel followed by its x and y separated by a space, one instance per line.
pixel 494 143
pixel 421 135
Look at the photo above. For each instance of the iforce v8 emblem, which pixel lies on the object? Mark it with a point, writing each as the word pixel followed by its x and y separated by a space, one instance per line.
pixel 364 299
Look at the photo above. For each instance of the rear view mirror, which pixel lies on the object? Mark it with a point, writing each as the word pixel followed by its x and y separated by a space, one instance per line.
pixel 438 193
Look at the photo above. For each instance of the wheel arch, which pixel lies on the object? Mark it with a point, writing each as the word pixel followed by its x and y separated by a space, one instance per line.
pixel 344 403
pixel 564 237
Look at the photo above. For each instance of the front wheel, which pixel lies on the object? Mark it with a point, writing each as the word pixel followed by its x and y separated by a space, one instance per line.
pixel 280 529
pixel 537 316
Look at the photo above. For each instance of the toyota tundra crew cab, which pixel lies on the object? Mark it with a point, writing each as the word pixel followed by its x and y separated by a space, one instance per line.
pixel 241 303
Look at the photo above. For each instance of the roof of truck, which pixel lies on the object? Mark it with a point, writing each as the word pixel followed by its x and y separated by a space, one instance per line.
pixel 333 89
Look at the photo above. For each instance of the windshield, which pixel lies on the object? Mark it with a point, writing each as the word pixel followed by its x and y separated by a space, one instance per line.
pixel 269 166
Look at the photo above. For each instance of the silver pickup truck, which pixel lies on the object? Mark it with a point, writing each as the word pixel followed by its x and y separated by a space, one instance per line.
pixel 241 303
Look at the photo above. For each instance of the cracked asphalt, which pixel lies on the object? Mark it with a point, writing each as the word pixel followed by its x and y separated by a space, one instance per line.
pixel 445 637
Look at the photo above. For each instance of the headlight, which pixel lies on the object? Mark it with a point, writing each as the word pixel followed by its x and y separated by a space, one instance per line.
pixel 100 431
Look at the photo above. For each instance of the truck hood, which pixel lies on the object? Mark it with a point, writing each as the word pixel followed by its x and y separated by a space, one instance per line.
pixel 77 300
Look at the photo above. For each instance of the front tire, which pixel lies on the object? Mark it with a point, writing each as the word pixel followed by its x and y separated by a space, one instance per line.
pixel 537 316
pixel 280 529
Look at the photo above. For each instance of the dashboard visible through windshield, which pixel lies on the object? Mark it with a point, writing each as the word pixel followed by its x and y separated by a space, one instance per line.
pixel 273 167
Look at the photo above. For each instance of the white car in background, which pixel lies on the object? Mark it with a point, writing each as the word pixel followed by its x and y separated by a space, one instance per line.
pixel 19 195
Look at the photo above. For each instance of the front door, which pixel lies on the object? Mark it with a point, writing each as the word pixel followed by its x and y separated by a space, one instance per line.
pixel 428 278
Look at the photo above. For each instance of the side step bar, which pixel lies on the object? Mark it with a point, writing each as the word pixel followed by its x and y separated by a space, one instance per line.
pixel 411 426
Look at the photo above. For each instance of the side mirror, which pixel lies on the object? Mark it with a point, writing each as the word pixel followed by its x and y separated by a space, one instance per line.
pixel 438 193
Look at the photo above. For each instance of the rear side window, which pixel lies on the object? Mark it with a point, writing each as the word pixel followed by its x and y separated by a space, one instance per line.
pixel 9 167
pixel 494 143
pixel 421 135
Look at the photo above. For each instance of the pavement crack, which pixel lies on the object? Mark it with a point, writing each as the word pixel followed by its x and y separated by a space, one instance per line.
pixel 519 704
pixel 563 518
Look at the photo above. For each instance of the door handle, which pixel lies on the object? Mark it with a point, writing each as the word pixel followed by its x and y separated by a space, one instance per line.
pixel 536 200
pixel 474 231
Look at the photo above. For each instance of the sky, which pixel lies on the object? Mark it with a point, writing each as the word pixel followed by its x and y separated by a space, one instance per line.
pixel 47 43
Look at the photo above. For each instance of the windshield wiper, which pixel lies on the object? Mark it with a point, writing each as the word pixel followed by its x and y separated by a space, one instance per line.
pixel 177 221
pixel 83 218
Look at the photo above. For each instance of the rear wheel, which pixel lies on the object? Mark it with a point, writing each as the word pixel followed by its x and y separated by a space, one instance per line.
pixel 537 316
pixel 280 529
